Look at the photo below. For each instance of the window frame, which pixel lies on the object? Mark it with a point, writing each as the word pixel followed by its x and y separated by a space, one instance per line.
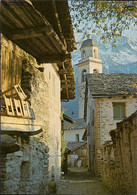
pixel 83 54
pixel 95 53
pixel 119 110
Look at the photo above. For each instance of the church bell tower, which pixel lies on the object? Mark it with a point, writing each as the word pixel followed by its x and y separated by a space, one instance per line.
pixel 88 64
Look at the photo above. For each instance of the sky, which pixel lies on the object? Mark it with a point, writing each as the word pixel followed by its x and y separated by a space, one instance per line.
pixel 122 59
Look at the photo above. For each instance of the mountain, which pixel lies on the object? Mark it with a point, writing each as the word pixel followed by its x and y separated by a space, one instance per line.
pixel 122 59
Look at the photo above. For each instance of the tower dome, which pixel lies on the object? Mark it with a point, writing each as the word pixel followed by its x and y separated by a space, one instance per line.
pixel 89 42
pixel 89 48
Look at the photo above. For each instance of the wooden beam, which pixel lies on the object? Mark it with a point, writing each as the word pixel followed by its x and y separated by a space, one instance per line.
pixel 30 32
pixel 70 76
pixel 58 24
pixel 17 21
pixel 65 81
pixel 66 118
pixel 62 71
pixel 53 58
pixel 65 86
pixel 64 96
pixel 71 90
pixel 65 77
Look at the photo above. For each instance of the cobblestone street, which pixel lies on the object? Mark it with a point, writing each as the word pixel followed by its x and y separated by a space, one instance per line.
pixel 79 181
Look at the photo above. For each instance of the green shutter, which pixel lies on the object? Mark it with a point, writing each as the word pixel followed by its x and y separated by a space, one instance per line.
pixel 118 111
pixel 122 111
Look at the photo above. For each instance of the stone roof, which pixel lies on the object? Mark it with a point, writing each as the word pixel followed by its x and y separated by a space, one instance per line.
pixel 88 43
pixel 112 84
pixel 71 146
pixel 77 124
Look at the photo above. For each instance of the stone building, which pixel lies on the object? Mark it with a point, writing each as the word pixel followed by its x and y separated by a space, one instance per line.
pixel 74 132
pixel 109 98
pixel 77 154
pixel 36 73
pixel 76 147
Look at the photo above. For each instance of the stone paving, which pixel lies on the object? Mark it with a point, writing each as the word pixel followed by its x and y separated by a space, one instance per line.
pixel 79 181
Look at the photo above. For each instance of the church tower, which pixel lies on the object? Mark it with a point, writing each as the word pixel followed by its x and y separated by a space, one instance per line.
pixel 88 64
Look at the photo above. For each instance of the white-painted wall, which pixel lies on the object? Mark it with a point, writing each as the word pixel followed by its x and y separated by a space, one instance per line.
pixel 88 63
pixel 53 80
pixel 89 52
pixel 70 135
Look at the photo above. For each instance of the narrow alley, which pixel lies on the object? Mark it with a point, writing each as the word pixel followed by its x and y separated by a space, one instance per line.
pixel 79 181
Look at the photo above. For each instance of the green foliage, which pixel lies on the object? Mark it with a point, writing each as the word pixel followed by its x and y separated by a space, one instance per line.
pixel 109 17
pixel 69 126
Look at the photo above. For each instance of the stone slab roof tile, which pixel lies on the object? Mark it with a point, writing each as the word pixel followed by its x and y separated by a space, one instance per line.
pixel 112 84
pixel 79 124
pixel 74 145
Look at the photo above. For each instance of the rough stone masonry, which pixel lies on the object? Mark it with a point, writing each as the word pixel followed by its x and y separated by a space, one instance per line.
pixel 119 158
pixel 31 169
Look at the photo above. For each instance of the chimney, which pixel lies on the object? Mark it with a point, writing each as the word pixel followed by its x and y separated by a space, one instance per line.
pixel 89 36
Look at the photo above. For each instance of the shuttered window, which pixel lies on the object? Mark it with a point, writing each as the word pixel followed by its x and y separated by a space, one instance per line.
pixel 119 111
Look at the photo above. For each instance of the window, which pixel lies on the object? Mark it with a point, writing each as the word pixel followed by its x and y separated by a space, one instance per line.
pixel 77 137
pixel 95 71
pixel 119 111
pixel 95 53
pixel 84 72
pixel 83 54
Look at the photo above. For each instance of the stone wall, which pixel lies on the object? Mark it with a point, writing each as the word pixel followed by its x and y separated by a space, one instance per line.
pixel 100 122
pixel 97 124
pixel 25 171
pixel 119 158
pixel 94 141
pixel 107 122
pixel 35 168
pixel 81 92
pixel 78 157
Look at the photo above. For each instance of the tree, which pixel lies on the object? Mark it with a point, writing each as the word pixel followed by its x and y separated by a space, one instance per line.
pixel 110 18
